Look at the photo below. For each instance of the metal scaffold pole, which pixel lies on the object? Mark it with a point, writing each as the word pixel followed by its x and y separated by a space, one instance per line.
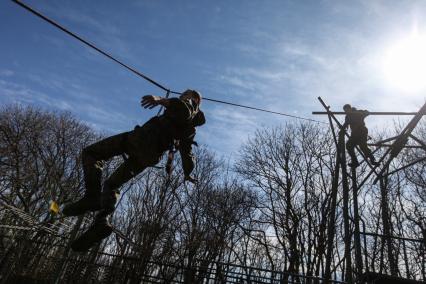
pixel 345 185
pixel 357 235
pixel 331 227
pixel 354 272
pixel 341 164
pixel 387 225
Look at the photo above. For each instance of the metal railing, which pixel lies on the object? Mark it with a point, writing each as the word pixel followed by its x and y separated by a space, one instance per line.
pixel 42 259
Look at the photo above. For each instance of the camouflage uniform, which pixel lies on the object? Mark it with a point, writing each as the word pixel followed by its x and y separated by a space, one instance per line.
pixel 144 146
pixel 359 134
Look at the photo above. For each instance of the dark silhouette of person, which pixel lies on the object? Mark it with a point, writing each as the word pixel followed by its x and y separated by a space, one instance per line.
pixel 144 146
pixel 359 134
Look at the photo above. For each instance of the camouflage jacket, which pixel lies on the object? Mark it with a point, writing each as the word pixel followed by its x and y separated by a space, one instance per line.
pixel 178 124
pixel 355 119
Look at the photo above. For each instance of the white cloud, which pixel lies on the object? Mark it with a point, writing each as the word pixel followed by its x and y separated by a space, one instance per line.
pixel 6 73
pixel 86 23
pixel 22 94
pixel 285 72
pixel 342 68
pixel 227 128
pixel 101 117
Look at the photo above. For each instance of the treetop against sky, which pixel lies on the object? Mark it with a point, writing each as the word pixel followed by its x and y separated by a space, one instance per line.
pixel 278 55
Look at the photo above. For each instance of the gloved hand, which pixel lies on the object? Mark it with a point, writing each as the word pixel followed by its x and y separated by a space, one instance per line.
pixel 150 101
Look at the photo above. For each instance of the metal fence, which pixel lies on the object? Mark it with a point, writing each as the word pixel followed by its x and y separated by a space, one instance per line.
pixel 26 260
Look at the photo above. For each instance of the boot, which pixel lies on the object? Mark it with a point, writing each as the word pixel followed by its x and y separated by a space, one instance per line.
pixel 109 199
pixel 82 206
pixel 100 230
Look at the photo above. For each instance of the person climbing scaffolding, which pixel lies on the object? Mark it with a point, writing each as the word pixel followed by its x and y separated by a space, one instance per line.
pixel 359 134
pixel 144 147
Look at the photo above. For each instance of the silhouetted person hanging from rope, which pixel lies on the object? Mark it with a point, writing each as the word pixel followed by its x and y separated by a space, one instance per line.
pixel 359 134
pixel 144 146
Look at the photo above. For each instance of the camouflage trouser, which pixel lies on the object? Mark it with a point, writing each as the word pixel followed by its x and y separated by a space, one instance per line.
pixel 141 147
pixel 359 138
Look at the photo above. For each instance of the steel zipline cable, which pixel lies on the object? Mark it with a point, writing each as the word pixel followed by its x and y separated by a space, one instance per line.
pixel 133 70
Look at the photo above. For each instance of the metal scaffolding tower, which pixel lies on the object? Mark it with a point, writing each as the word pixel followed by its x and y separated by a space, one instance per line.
pixel 359 271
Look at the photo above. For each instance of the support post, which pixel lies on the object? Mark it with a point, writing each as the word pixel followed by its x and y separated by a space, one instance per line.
pixel 386 226
pixel 345 185
pixel 357 235
pixel 331 228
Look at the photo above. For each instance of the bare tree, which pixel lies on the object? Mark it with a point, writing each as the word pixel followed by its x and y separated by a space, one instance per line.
pixel 292 167
pixel 40 162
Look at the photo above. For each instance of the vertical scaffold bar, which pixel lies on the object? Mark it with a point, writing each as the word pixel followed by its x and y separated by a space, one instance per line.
pixel 387 225
pixel 341 165
pixel 357 236
pixel 332 219
pixel 342 152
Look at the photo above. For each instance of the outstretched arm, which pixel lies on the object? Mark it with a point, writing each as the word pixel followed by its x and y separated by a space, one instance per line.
pixel 153 101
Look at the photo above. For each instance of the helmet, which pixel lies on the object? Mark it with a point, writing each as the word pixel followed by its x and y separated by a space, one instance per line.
pixel 193 94
pixel 347 107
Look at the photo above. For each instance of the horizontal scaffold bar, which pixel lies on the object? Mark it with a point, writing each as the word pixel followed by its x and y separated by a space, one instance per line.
pixel 390 145
pixel 370 113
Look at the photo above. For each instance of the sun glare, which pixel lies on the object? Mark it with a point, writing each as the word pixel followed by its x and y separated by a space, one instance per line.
pixel 405 64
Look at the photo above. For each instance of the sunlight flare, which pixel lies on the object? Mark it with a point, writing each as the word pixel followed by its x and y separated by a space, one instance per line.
pixel 405 63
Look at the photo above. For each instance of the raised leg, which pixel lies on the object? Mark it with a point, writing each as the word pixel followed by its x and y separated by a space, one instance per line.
pixel 111 189
pixel 102 228
pixel 350 146
pixel 364 147
pixel 92 159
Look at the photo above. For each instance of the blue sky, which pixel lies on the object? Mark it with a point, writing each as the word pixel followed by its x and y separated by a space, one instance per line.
pixel 279 55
